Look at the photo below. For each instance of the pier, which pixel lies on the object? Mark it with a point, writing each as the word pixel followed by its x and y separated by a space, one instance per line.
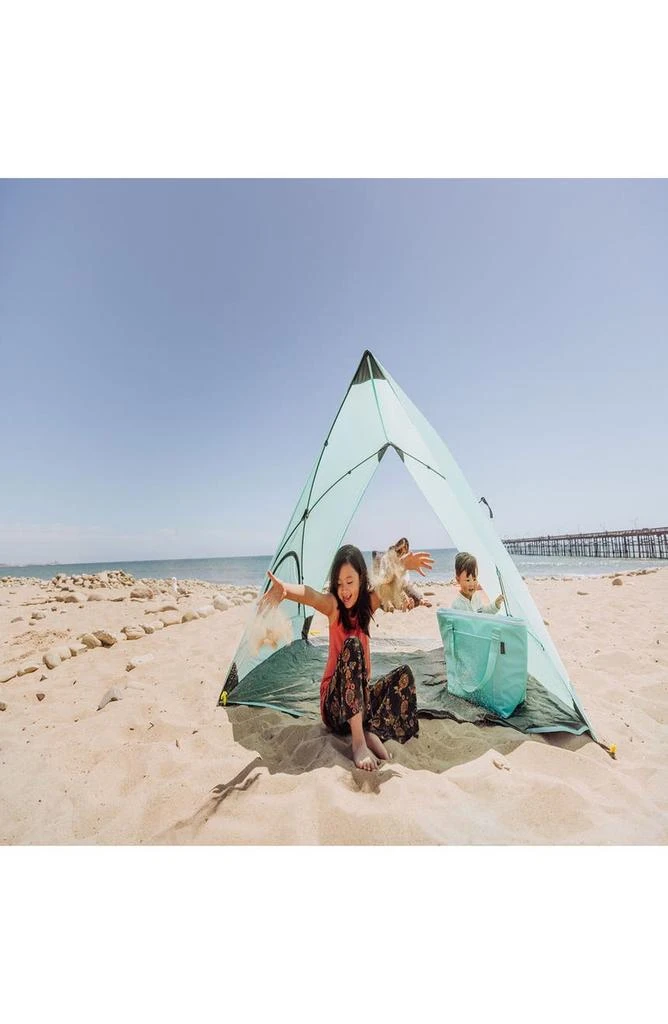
pixel 647 543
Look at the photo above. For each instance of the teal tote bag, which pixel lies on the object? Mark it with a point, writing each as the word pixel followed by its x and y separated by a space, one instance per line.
pixel 486 658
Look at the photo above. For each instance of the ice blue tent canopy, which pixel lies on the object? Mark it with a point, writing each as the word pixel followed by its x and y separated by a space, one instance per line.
pixel 376 418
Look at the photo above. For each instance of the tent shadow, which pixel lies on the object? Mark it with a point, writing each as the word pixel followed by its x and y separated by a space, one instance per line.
pixel 294 746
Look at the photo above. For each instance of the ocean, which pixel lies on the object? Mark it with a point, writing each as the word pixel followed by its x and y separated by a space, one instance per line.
pixel 250 570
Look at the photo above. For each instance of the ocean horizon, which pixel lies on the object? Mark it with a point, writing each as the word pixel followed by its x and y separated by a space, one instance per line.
pixel 250 570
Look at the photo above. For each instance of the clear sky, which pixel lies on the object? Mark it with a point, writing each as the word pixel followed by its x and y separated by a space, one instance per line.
pixel 172 354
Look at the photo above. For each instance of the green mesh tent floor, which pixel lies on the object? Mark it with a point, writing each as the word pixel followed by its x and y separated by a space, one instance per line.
pixel 289 681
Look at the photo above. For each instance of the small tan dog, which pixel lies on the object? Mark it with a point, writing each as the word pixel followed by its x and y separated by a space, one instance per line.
pixel 388 577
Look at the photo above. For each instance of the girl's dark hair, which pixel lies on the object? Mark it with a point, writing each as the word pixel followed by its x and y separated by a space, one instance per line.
pixel 350 555
pixel 465 562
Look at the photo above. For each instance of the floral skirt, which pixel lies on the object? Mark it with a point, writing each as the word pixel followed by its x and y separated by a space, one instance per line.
pixel 388 706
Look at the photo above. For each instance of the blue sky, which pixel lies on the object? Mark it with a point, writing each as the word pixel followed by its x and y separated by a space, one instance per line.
pixel 172 354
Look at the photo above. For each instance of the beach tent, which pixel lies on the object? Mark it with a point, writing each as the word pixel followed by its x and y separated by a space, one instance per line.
pixel 376 418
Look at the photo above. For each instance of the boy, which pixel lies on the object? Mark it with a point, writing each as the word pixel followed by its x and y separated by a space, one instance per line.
pixel 469 598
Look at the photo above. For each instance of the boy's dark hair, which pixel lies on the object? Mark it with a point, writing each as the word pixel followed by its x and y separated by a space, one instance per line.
pixel 465 562
pixel 401 543
pixel 350 555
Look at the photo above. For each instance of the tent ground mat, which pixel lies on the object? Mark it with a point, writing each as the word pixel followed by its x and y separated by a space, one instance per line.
pixel 289 681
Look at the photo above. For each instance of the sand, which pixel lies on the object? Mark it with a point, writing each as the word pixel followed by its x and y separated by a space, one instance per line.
pixel 164 765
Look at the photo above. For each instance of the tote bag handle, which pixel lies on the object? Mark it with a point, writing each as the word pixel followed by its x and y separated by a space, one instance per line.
pixel 493 653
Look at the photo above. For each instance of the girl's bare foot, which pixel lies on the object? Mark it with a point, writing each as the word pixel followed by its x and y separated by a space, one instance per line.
pixel 363 758
pixel 377 747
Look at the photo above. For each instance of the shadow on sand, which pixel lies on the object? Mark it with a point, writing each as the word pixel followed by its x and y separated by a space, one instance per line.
pixel 293 746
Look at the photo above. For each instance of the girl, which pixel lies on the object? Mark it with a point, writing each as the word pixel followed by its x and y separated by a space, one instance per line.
pixel 349 703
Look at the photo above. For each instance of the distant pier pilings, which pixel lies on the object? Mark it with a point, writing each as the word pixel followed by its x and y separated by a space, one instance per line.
pixel 648 543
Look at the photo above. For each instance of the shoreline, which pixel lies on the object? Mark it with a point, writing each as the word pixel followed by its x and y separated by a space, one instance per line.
pixel 7 580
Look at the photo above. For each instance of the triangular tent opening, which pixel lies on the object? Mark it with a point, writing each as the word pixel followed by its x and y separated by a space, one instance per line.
pixel 374 418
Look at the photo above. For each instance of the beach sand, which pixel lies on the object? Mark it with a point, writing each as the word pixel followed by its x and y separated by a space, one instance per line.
pixel 164 765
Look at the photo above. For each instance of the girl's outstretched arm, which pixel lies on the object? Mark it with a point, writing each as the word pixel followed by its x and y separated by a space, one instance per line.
pixel 280 591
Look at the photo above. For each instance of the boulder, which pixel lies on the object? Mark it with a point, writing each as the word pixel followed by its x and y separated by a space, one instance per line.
pixel 6 674
pixel 51 659
pixel 133 632
pixel 189 616
pixel 106 638
pixel 205 611
pixel 149 627
pixel 156 623
pixel 77 649
pixel 38 615
pixel 221 603
pixel 95 595
pixel 90 641
pixel 170 618
pixel 141 592
pixel 617 581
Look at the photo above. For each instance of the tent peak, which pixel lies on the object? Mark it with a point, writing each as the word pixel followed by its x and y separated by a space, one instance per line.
pixel 368 367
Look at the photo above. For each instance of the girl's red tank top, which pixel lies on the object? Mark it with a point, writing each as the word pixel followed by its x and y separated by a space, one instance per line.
pixel 337 635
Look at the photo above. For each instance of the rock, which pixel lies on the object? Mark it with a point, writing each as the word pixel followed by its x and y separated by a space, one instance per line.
pixel 19 618
pixel 114 693
pixel 156 623
pixel 165 608
pixel 141 592
pixel 38 615
pixel 141 659
pixel 40 696
pixel 583 593
pixel 170 618
pixel 205 611
pixel 617 581
pixel 77 649
pixel 64 652
pixel 133 632
pixel 71 598
pixel 90 641
pixel 189 616
pixel 6 674
pixel 95 595
pixel 221 603
pixel 106 638
pixel 3 706
pixel 52 658
pixel 32 667
pixel 500 764
pixel 149 627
